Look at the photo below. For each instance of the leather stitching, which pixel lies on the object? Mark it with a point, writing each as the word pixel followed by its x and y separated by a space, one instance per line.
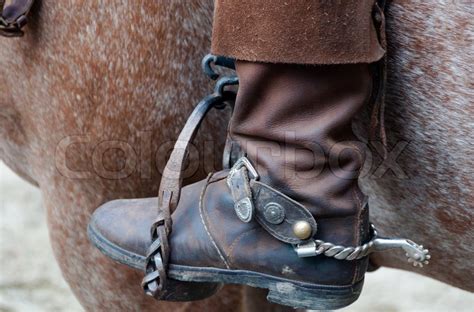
pixel 201 213
pixel 355 197
pixel 356 230
pixel 236 240
pixel 217 179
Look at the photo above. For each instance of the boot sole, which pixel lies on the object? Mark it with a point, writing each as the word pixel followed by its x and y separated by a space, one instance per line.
pixel 196 283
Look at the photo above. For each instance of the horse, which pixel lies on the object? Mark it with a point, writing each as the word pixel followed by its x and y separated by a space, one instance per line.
pixel 95 93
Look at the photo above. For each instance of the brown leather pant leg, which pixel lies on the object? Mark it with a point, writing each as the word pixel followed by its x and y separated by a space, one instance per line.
pixel 296 31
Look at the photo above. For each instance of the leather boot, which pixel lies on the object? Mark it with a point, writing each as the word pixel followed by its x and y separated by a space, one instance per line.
pixel 288 216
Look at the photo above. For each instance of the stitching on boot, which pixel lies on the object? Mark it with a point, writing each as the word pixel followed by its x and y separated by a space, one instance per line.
pixel 357 229
pixel 216 179
pixel 355 197
pixel 236 240
pixel 201 199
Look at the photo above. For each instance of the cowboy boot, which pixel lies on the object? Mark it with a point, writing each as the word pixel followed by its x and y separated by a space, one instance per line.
pixel 288 216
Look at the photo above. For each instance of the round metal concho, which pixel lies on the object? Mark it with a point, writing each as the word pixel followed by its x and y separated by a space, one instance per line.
pixel 244 209
pixel 302 229
pixel 274 213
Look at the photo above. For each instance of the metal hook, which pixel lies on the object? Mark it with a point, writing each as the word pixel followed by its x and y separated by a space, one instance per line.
pixel 216 60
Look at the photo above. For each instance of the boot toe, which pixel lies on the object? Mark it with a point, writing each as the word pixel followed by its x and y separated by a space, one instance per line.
pixel 121 229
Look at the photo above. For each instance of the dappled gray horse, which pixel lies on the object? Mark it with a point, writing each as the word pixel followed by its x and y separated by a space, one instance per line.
pixel 94 94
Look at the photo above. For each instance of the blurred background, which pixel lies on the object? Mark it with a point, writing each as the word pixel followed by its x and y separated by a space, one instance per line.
pixel 30 279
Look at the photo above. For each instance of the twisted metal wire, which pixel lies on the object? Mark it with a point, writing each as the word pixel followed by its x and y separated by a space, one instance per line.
pixel 341 252
pixel 416 254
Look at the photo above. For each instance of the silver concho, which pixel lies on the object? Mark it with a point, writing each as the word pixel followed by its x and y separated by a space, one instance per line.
pixel 244 209
pixel 274 213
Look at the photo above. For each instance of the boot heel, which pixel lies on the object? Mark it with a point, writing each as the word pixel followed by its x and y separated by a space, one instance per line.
pixel 189 291
pixel 313 298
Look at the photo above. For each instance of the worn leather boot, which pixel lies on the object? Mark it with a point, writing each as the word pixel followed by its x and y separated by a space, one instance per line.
pixel 288 216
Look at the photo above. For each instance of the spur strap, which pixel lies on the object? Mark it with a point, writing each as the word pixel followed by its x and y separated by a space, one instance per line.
pixel 13 17
pixel 157 258
pixel 290 222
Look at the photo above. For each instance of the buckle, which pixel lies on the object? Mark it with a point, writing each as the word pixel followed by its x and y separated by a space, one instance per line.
pixel 282 217
pixel 238 183
pixel 245 162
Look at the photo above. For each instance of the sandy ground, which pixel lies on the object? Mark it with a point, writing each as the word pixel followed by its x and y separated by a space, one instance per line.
pixel 30 279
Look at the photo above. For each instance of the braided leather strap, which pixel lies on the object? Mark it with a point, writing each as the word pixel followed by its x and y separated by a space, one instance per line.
pixel 156 264
pixel 14 17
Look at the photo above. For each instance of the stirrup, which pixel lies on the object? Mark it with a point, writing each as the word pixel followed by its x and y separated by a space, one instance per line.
pixel 155 282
